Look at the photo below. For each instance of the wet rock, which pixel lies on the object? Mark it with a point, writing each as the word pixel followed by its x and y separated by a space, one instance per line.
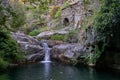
pixel 66 52
pixel 29 46
pixel 21 37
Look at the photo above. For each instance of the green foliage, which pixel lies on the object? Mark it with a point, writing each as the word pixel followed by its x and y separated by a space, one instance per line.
pixel 42 4
pixel 8 49
pixel 107 24
pixel 91 8
pixel 96 54
pixel 18 18
pixel 92 58
pixel 86 1
pixel 58 37
pixel 3 64
pixel 34 32
pixel 36 12
pixel 66 4
pixel 9 19
pixel 58 14
pixel 72 36
pixel 4 15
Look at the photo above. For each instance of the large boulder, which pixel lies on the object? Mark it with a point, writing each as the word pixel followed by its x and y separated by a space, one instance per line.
pixel 67 52
pixel 48 34
pixel 30 46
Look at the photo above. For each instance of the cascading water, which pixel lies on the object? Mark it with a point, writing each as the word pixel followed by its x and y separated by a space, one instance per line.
pixel 47 53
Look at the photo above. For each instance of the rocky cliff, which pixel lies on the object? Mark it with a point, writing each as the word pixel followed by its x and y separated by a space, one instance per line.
pixel 29 46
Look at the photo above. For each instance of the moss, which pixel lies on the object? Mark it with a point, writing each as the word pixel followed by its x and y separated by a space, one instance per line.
pixel 38 30
pixel 58 14
pixel 58 37
pixel 34 32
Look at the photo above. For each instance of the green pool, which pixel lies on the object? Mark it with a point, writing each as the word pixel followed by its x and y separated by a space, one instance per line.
pixel 55 71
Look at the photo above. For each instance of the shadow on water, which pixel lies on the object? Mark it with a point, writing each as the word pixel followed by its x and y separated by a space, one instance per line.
pixel 56 71
pixel 4 77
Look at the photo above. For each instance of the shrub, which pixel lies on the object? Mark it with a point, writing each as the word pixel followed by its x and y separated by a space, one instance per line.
pixel 9 19
pixel 3 64
pixel 107 24
pixel 11 16
pixel 92 57
pixel 34 32
pixel 66 4
pixel 58 14
pixel 58 37
pixel 72 37
pixel 58 11
pixel 53 10
pixel 18 15
pixel 8 49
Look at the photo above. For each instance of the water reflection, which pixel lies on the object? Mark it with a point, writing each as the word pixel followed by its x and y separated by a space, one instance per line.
pixel 91 73
pixel 55 71
pixel 47 71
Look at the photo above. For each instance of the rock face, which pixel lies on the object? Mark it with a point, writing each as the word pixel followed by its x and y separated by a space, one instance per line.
pixel 29 45
pixel 67 52
pixel 59 2
pixel 73 14
pixel 51 43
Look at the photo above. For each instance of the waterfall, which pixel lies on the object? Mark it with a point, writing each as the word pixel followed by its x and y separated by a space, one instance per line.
pixel 47 53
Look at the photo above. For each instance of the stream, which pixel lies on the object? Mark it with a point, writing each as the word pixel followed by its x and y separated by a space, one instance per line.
pixel 56 71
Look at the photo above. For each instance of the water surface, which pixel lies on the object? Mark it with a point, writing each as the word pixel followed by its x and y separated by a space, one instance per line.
pixel 55 71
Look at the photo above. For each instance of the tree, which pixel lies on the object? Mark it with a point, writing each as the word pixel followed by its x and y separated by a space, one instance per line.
pixel 107 24
pixel 11 16
pixel 8 47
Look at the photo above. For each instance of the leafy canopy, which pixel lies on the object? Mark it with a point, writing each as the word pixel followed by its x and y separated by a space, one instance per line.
pixel 107 23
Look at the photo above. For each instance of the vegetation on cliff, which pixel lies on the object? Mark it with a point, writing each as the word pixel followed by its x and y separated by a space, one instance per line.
pixel 107 25
pixel 105 20
pixel 10 18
